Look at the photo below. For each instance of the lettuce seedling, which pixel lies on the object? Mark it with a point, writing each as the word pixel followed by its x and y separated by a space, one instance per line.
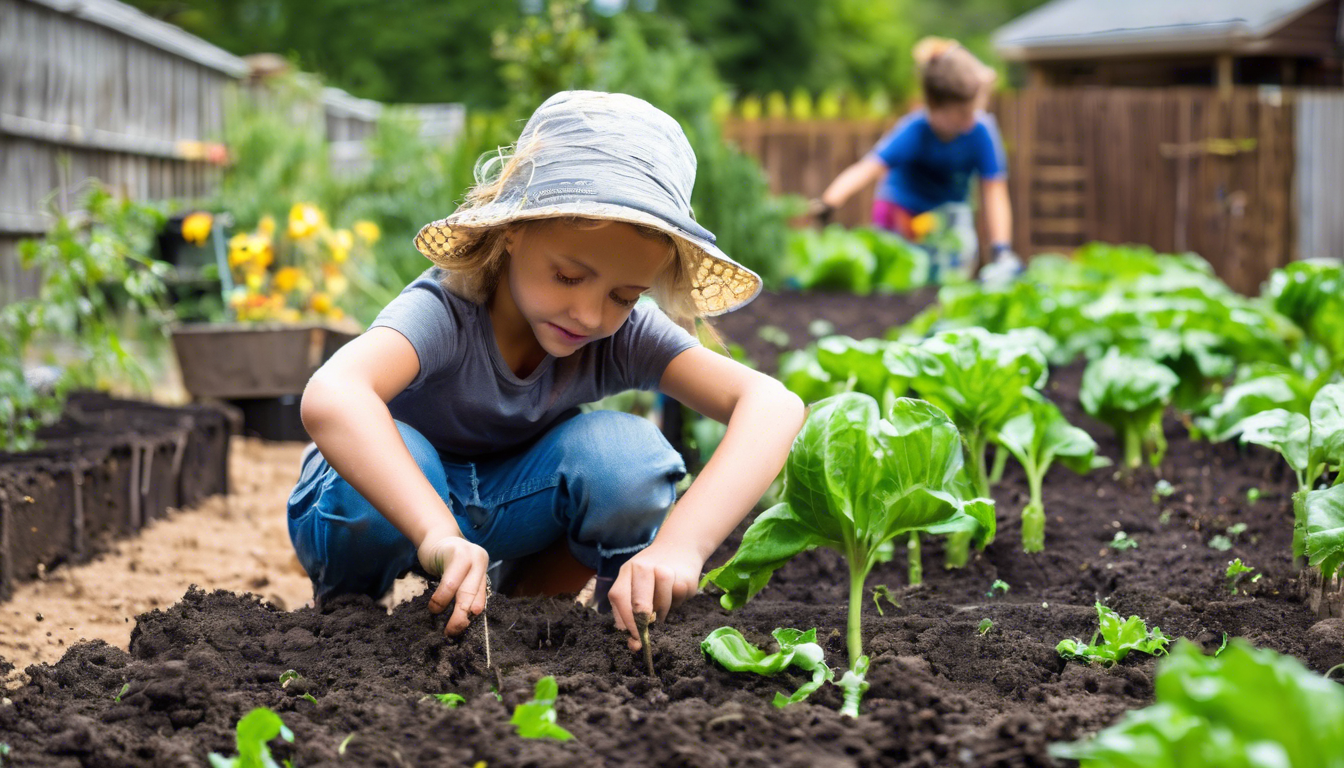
pixel 855 482
pixel 981 380
pixel 798 649
pixel 1119 637
pixel 1324 539
pixel 985 626
pixel 1244 708
pixel 1130 394
pixel 536 719
pixel 1236 572
pixel 1122 541
pixel 1310 445
pixel 999 587
pixel 1037 438
pixel 882 592
pixel 254 730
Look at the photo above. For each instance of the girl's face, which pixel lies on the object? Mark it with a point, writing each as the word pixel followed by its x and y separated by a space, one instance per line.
pixel 576 284
pixel 952 120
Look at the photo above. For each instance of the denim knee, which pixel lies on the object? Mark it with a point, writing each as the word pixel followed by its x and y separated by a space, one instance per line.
pixel 620 474
pixel 344 543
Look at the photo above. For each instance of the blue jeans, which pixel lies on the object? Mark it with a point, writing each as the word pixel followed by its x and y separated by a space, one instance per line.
pixel 604 481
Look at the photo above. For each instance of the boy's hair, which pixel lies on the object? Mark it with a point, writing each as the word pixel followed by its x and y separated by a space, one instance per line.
pixel 480 254
pixel 948 73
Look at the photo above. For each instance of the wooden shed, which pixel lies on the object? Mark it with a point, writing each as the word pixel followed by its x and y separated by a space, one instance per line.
pixel 1215 126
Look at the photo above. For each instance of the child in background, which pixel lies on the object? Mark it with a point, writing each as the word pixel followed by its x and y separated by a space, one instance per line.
pixel 448 435
pixel 928 159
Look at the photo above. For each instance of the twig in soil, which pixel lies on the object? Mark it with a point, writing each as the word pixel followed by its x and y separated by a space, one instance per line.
pixel 485 619
pixel 642 623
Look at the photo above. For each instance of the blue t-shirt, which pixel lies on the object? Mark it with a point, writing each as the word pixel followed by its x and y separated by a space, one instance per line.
pixel 927 172
pixel 468 402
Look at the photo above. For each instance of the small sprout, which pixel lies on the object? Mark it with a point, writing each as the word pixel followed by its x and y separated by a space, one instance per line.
pixel 309 697
pixel 1220 543
pixel 253 731
pixel 1165 517
pixel 4 748
pixel 1253 495
pixel 494 691
pixel 985 626
pixel 536 718
pixel 1236 529
pixel 287 677
pixel 821 327
pixel 773 334
pixel 1122 541
pixel 344 743
pixel 122 692
pixel 1161 490
pixel 999 587
pixel 1118 636
pixel 1223 647
pixel 1236 572
pixel 1328 673
pixel 880 593
pixel 449 700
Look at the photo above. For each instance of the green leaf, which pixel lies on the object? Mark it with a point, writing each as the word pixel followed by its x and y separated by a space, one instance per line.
pixel 254 730
pixel 730 649
pixel 1243 708
pixel 1325 530
pixel 536 719
pixel 1285 432
pixel 1130 394
pixel 1119 637
pixel 773 538
pixel 449 700
pixel 1327 425
pixel 844 358
pixel 985 626
pixel 1247 398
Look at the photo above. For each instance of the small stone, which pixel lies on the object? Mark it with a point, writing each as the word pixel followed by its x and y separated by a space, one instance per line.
pixel 39 617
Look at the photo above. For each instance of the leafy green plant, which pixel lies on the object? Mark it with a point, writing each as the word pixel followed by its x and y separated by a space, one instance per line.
pixel 1310 445
pixel 535 719
pixel 1130 394
pixel 999 587
pixel 1118 638
pixel 1037 438
pixel 254 730
pixel 985 626
pixel 97 279
pixel 731 650
pixel 981 380
pixel 1122 541
pixel 1324 531
pixel 1311 293
pixel 1236 573
pixel 858 260
pixel 1244 708
pixel 855 482
pixel 449 700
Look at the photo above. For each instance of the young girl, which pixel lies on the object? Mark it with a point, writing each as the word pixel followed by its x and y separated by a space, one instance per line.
pixel 929 156
pixel 448 435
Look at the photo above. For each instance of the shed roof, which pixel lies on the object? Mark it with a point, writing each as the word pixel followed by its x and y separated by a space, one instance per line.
pixel 162 35
pixel 1067 28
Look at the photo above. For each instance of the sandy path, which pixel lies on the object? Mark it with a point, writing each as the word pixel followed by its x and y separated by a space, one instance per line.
pixel 238 542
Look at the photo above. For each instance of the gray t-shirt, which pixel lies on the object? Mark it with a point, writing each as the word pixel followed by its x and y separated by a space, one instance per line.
pixel 468 402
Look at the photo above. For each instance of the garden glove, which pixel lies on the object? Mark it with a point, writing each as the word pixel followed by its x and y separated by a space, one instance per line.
pixel 1005 267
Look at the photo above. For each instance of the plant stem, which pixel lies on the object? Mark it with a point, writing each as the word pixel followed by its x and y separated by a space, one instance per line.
pixel 857 575
pixel 975 464
pixel 642 624
pixel 1000 463
pixel 915 558
pixel 1033 515
pixel 485 625
pixel 1130 432
pixel 1300 527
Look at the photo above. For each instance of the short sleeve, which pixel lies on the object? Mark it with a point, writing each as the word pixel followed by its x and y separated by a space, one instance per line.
pixel 899 143
pixel 428 316
pixel 990 161
pixel 644 346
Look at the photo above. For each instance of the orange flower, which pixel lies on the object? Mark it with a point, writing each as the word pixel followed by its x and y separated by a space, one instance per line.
pixel 321 303
pixel 196 227
pixel 922 225
pixel 286 279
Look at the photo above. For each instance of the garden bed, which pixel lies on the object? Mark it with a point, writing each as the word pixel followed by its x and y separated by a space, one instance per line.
pixel 106 469
pixel 941 693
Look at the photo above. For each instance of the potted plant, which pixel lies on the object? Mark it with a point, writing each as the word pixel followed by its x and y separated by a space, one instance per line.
pixel 282 296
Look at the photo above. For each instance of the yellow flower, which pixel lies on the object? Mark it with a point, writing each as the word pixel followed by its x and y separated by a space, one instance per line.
pixel 321 303
pixel 304 221
pixel 291 315
pixel 286 279
pixel 336 284
pixel 340 242
pixel 196 227
pixel 254 280
pixel 368 231
pixel 335 313
pixel 252 250
pixel 922 225
pixel 267 225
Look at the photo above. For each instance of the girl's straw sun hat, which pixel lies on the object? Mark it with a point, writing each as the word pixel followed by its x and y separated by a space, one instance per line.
pixel 604 156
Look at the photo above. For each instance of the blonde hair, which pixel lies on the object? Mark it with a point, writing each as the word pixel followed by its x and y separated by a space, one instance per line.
pixel 950 74
pixel 480 253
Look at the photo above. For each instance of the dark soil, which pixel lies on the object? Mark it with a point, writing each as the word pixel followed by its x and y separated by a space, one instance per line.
pixel 942 695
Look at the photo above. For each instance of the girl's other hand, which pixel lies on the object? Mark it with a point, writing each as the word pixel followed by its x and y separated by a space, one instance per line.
pixel 654 581
pixel 460 566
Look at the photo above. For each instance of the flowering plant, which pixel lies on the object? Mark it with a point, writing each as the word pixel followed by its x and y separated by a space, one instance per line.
pixel 295 275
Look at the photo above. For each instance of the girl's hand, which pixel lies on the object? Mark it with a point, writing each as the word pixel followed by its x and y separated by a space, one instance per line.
pixel 654 581
pixel 460 566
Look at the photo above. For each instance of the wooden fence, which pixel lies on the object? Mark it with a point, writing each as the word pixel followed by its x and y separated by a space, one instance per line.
pixel 1177 169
